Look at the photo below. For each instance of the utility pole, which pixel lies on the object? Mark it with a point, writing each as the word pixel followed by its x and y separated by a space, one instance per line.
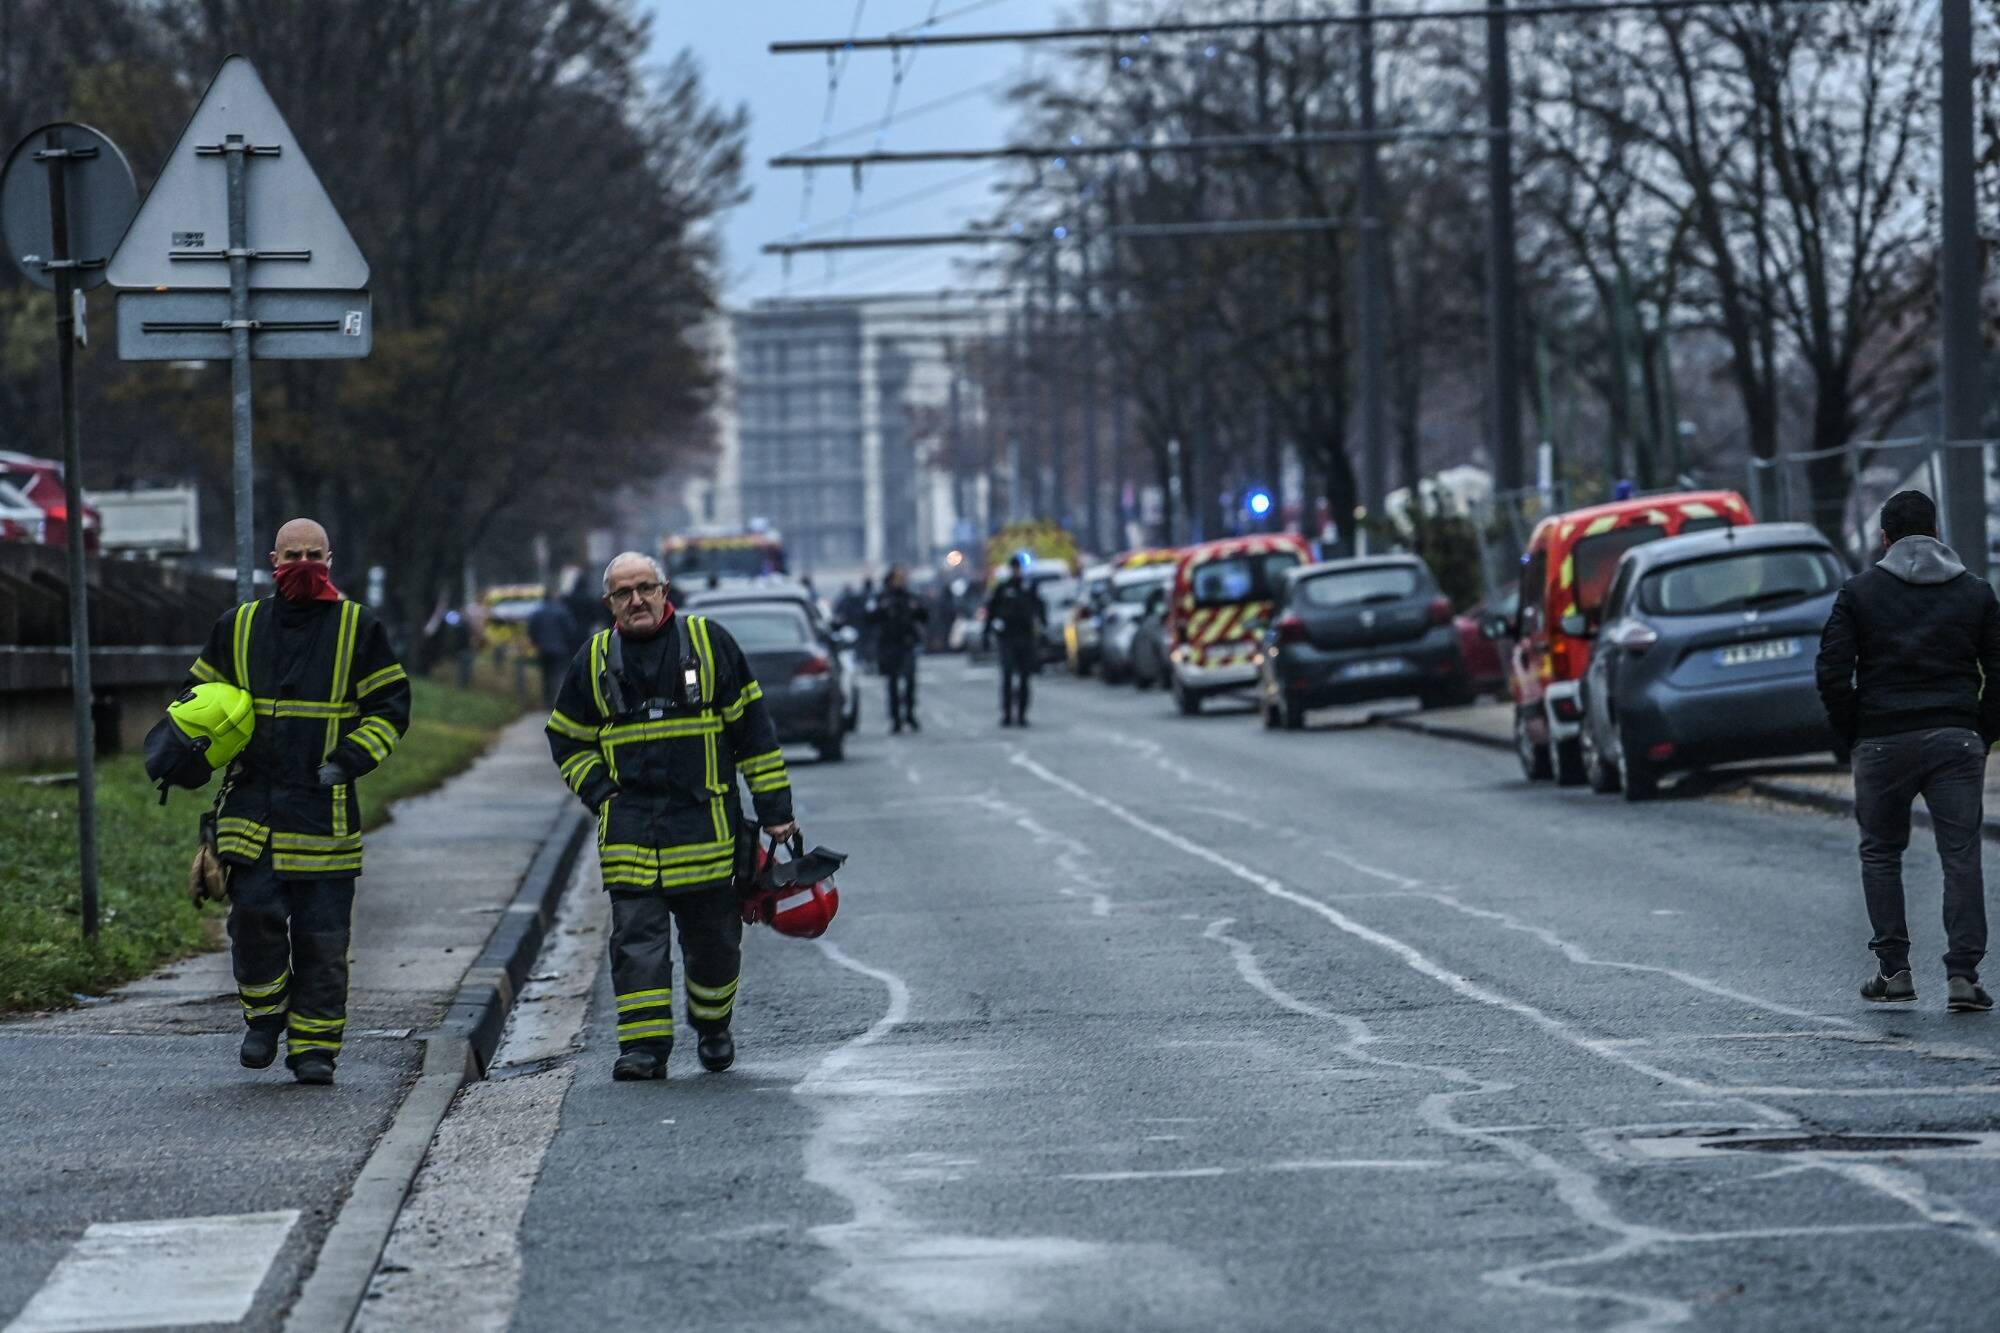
pixel 1087 352
pixel 1959 279
pixel 1503 318
pixel 1374 441
pixel 1052 396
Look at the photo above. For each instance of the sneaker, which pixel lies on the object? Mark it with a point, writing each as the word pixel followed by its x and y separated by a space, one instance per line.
pixel 1967 996
pixel 260 1047
pixel 636 1066
pixel 313 1068
pixel 1897 989
pixel 717 1051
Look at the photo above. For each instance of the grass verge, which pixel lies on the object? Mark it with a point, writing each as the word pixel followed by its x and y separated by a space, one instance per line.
pixel 145 917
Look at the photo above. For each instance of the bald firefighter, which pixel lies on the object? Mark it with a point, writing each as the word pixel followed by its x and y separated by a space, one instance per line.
pixel 655 720
pixel 331 702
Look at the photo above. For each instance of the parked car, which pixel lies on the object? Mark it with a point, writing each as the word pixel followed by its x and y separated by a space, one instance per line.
pixel 34 506
pixel 1706 655
pixel 1150 637
pixel 1124 611
pixel 798 665
pixel 1058 596
pixel 1083 627
pixel 1565 573
pixel 841 639
pixel 1486 658
pixel 1222 599
pixel 1348 631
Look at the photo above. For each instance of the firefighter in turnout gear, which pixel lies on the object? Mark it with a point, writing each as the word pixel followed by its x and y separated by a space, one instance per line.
pixel 655 720
pixel 331 702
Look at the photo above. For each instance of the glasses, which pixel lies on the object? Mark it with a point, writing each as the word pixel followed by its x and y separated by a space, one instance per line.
pixel 620 596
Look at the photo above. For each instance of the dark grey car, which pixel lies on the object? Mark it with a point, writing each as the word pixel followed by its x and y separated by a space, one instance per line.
pixel 1350 631
pixel 798 665
pixel 1705 655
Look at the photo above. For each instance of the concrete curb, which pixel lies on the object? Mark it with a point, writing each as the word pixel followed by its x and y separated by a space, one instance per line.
pixel 1446 731
pixel 1844 805
pixel 456 1054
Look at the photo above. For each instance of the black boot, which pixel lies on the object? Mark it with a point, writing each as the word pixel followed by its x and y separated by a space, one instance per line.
pixel 717 1051
pixel 911 722
pixel 260 1047
pixel 639 1064
pixel 313 1067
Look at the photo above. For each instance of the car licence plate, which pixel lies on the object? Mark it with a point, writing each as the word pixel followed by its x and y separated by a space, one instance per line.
pixel 1747 654
pixel 1380 666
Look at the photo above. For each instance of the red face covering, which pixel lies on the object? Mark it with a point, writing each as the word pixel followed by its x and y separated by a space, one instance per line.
pixel 306 581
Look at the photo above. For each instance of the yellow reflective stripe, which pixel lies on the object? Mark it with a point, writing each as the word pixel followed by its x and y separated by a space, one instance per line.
pixel 376 750
pixel 265 990
pixel 597 650
pixel 1597 525
pixel 303 708
pixel 628 733
pixel 685 852
pixel 704 656
pixel 649 1027
pixel 203 672
pixel 300 1023
pixel 641 999
pixel 388 675
pixel 343 654
pixel 777 782
pixel 245 614
pixel 375 736
pixel 297 1044
pixel 716 993
pixel 749 694
pixel 316 842
pixel 317 867
pixel 574 767
pixel 759 763
pixel 710 1011
pixel 263 1010
pixel 564 725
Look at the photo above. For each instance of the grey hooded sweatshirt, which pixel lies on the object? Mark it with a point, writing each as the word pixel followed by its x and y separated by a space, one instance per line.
pixel 1913 643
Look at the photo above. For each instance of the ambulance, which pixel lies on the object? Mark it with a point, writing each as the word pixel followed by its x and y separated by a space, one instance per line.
pixel 1224 592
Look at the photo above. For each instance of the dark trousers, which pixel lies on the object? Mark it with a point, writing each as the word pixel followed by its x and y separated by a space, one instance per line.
pixel 552 676
pixel 288 943
pixel 901 672
pixel 642 968
pixel 1018 660
pixel 1947 767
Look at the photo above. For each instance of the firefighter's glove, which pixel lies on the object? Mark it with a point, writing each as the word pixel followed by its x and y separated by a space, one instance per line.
pixel 332 775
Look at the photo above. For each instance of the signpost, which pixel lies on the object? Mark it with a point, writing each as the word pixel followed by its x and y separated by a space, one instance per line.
pixel 239 252
pixel 66 195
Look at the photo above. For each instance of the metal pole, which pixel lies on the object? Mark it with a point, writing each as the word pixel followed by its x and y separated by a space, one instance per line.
pixel 1959 281
pixel 1086 347
pixel 236 154
pixel 1374 435
pixel 79 574
pixel 1502 284
pixel 1052 398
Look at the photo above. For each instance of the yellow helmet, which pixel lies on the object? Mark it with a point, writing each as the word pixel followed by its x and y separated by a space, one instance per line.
pixel 218 713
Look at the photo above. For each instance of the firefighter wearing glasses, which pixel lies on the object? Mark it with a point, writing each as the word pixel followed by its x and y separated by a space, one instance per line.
pixel 331 701
pixel 655 720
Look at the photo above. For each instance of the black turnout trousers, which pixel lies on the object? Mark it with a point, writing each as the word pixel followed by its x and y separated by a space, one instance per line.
pixel 288 944
pixel 710 923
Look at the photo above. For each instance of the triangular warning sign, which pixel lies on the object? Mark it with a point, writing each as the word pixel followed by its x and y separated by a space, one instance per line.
pixel 180 236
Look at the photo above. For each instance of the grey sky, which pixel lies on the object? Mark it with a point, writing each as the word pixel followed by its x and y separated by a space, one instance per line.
pixel 787 97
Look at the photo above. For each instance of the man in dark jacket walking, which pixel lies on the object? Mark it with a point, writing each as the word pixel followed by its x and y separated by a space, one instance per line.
pixel 1015 614
pixel 1900 670
pixel 899 620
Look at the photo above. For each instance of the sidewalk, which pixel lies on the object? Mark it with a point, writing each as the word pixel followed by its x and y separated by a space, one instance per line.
pixel 134 1108
pixel 1492 724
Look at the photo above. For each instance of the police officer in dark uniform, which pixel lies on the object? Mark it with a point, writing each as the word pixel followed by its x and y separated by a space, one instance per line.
pixel 1016 617
pixel 656 719
pixel 331 702
pixel 899 620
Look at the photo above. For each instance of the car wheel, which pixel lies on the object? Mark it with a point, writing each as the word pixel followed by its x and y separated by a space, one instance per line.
pixel 1601 772
pixel 1569 762
pixel 1295 715
pixel 1186 699
pixel 1273 716
pixel 853 720
pixel 1534 758
pixel 833 749
pixel 1640 778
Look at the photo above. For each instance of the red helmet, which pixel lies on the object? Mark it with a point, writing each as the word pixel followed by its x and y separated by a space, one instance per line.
pixel 795 897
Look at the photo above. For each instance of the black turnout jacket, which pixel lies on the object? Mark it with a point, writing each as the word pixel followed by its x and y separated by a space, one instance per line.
pixel 326 687
pixel 661 775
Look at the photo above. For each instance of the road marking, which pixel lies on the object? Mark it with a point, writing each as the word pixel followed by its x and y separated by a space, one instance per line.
pixel 159 1274
pixel 1210 1172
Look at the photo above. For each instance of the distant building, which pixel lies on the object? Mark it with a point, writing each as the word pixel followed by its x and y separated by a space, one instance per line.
pixel 836 426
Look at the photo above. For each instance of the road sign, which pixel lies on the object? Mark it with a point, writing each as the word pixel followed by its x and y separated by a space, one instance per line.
pixel 98 198
pixel 294 235
pixel 284 326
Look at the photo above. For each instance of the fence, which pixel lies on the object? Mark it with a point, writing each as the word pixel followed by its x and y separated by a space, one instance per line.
pixel 1841 490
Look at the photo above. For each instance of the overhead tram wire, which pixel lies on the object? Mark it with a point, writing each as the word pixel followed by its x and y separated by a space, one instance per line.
pixel 1538 9
pixel 1135 231
pixel 1057 152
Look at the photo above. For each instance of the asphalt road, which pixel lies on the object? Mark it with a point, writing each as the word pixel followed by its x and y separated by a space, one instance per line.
pixel 1132 1021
